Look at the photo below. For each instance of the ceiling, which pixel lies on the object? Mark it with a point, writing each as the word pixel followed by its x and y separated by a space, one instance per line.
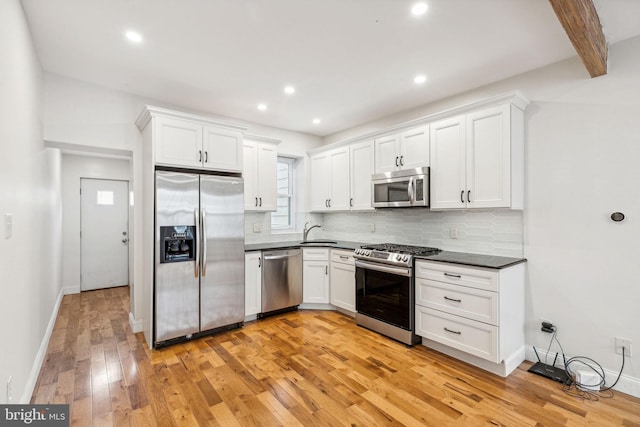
pixel 350 61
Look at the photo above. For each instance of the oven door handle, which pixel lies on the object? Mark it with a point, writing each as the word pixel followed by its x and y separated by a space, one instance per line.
pixel 400 271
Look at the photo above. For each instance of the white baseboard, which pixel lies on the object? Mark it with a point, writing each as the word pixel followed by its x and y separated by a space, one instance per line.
pixel 42 351
pixel 626 384
pixel 135 325
pixel 71 290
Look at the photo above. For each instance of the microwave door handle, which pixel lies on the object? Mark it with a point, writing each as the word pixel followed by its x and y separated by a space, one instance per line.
pixel 411 190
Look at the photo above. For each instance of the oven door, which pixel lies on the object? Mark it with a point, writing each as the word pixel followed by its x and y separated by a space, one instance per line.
pixel 385 293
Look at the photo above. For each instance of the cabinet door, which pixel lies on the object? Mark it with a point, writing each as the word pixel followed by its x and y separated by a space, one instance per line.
pixel 361 158
pixel 315 282
pixel 343 286
pixel 178 142
pixel 222 149
pixel 489 158
pixel 267 177
pixel 339 179
pixel 319 177
pixel 387 158
pixel 414 148
pixel 447 176
pixel 250 175
pixel 252 283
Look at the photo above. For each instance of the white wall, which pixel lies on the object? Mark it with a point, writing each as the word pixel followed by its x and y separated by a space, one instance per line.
pixel 582 156
pixel 30 191
pixel 75 167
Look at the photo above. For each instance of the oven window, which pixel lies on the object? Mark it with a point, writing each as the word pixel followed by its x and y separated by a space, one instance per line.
pixel 384 296
pixel 391 192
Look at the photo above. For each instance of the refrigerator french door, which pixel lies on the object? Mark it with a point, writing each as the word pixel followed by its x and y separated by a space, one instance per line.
pixel 199 254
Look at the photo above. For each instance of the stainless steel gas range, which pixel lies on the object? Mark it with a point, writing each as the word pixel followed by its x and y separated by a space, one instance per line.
pixel 385 293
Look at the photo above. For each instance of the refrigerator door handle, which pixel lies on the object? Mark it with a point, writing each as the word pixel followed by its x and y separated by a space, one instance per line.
pixel 203 238
pixel 197 263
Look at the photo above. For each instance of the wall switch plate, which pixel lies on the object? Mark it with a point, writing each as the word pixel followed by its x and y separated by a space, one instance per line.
pixel 257 227
pixel 8 225
pixel 623 342
pixel 454 232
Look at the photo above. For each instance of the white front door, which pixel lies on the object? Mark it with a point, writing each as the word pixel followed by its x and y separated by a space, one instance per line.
pixel 104 236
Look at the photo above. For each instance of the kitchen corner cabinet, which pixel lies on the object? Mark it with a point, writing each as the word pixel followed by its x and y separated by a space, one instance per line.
pixel 315 275
pixel 330 180
pixel 260 175
pixel 343 280
pixel 405 150
pixel 360 171
pixel 477 159
pixel 252 284
pixel 477 311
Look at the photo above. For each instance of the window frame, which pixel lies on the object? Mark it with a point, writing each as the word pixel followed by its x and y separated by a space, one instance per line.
pixel 290 227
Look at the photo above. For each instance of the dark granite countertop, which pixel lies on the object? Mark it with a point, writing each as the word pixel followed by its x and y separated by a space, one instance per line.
pixel 474 260
pixel 341 244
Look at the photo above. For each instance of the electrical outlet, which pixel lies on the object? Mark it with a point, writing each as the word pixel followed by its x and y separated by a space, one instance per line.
pixel 454 232
pixel 372 228
pixel 257 227
pixel 10 389
pixel 623 342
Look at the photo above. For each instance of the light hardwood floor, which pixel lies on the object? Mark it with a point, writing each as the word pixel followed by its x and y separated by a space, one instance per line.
pixel 309 368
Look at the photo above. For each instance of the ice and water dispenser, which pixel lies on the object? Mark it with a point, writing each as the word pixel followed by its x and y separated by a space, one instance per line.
pixel 177 243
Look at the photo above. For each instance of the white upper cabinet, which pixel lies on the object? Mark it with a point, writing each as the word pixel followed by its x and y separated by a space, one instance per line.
pixel 361 169
pixel 195 142
pixel 477 159
pixel 330 180
pixel 260 174
pixel 405 150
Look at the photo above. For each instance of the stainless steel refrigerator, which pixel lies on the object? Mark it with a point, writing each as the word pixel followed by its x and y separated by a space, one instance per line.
pixel 199 255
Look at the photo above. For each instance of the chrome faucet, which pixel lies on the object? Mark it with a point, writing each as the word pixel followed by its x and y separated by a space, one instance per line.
pixel 306 231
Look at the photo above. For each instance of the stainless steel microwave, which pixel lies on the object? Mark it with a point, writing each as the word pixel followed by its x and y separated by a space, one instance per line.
pixel 400 189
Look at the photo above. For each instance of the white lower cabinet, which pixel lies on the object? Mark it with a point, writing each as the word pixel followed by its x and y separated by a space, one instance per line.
pixel 252 284
pixel 476 312
pixel 315 276
pixel 343 280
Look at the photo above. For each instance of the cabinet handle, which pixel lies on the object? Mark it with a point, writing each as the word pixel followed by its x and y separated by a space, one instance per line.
pixel 260 201
pixel 469 196
pixel 329 203
pixel 199 155
pixel 457 276
pixel 344 257
pixel 256 202
pixel 206 157
pixel 351 202
pixel 259 262
pixel 326 203
pixel 397 161
pixel 462 196
pixel 453 332
pixel 326 270
pixel 401 160
pixel 452 299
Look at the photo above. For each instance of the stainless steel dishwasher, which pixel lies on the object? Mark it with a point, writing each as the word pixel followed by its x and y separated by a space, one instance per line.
pixel 281 280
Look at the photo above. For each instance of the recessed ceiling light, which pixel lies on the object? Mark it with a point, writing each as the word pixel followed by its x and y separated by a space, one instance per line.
pixel 262 107
pixel 134 37
pixel 419 9
pixel 289 90
pixel 419 79
pixel 316 121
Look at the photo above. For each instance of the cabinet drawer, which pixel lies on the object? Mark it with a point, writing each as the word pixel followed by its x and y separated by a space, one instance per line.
pixel 315 254
pixel 466 335
pixel 475 304
pixel 342 256
pixel 473 277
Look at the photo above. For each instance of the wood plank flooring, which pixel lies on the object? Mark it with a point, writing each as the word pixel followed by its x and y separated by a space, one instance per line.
pixel 306 368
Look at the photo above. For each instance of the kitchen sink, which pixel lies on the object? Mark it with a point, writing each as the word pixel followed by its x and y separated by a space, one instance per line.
pixel 319 242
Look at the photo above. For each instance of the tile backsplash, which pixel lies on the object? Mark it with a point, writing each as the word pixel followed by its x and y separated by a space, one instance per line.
pixel 491 232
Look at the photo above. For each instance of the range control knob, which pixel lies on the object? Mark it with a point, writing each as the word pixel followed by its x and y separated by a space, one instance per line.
pixel 368 252
pixel 405 258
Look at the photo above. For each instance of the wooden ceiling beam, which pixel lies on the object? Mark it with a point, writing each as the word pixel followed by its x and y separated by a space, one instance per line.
pixel 582 24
